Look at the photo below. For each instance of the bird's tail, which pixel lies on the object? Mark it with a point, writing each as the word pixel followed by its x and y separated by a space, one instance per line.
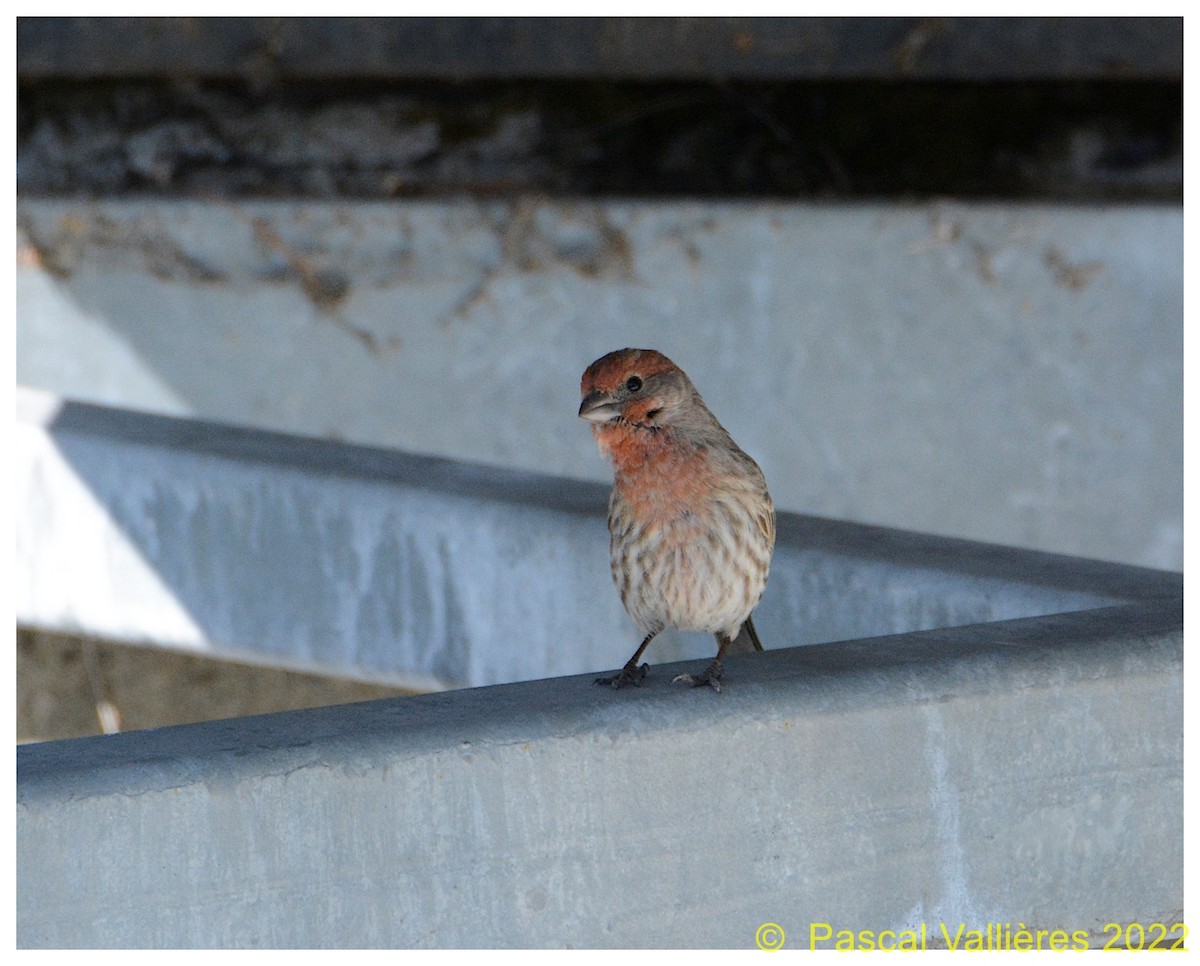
pixel 747 641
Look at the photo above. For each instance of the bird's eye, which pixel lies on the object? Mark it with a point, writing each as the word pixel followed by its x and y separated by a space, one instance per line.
pixel 633 383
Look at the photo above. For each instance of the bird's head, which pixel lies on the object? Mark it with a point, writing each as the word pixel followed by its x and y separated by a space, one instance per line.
pixel 634 387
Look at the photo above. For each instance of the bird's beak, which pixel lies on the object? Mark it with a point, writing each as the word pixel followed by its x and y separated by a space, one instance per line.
pixel 599 407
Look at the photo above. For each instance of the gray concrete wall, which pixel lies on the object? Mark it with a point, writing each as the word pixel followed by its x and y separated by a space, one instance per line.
pixel 1024 772
pixel 1004 372
pixel 422 572
pixel 1019 769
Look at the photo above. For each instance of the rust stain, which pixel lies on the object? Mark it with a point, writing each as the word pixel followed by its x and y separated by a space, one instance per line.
pixel 74 239
pixel 601 251
pixel 983 263
pixel 324 287
pixel 1075 276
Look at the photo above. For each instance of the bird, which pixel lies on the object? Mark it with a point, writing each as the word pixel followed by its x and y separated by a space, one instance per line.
pixel 691 523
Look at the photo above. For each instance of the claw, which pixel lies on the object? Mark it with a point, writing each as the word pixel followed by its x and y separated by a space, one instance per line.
pixel 711 677
pixel 630 674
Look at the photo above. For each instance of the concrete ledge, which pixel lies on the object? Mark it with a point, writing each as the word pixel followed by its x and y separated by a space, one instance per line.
pixel 424 572
pixel 1027 772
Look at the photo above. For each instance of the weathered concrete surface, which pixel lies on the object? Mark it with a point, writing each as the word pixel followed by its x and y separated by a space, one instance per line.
pixel 422 572
pixel 1008 373
pixel 1024 772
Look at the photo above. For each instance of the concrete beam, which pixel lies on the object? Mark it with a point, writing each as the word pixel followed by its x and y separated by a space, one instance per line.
pixel 1007 373
pixel 1024 772
pixel 424 572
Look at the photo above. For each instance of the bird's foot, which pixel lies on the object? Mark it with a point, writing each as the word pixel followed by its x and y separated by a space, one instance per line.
pixel 630 674
pixel 711 677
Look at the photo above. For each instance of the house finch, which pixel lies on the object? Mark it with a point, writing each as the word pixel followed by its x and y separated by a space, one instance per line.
pixel 692 526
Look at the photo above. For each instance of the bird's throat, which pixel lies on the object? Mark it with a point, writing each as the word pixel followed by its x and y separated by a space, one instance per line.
pixel 654 472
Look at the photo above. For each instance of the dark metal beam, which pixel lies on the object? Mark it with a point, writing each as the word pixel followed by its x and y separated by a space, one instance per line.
pixel 655 48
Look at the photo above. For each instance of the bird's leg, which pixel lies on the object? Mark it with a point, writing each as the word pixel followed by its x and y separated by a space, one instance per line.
pixel 630 673
pixel 712 674
pixel 750 632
